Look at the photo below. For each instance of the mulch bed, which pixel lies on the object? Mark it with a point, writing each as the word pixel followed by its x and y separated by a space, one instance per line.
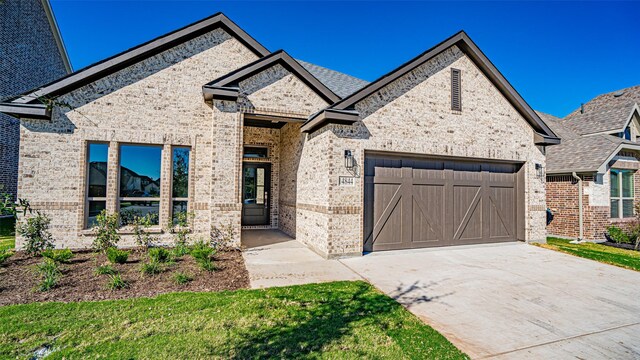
pixel 619 246
pixel 18 280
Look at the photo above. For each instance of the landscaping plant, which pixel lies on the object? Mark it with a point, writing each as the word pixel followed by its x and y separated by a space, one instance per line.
pixel 60 256
pixel 35 231
pixel 203 255
pixel 116 256
pixel 105 270
pixel 116 282
pixel 222 237
pixel 50 272
pixel 151 268
pixel 141 225
pixel 182 278
pixel 106 231
pixel 159 255
pixel 4 255
pixel 618 235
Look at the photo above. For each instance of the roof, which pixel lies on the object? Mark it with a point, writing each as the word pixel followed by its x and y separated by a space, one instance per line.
pixel 341 84
pixel 545 135
pixel 608 112
pixel 56 35
pixel 226 87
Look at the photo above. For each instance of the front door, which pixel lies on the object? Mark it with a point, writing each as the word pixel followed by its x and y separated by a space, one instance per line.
pixel 256 184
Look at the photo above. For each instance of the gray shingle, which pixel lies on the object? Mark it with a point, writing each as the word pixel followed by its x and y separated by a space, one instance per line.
pixel 341 84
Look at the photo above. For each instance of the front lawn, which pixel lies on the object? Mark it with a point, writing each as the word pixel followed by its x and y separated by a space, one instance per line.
pixel 628 259
pixel 330 320
pixel 7 233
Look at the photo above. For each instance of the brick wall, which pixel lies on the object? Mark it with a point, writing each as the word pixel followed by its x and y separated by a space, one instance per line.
pixel 29 57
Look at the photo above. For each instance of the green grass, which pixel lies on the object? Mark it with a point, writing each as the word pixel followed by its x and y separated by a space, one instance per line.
pixel 628 259
pixel 332 320
pixel 7 234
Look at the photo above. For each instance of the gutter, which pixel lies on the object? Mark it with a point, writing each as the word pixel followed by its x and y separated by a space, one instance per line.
pixel 580 210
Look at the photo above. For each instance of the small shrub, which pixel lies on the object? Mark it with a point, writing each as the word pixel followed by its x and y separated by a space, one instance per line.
pixel 4 255
pixel 141 224
pixel 59 256
pixel 116 282
pixel 207 265
pixel 47 283
pixel 106 231
pixel 179 251
pixel 36 233
pixel 222 237
pixel 618 235
pixel 201 250
pixel 50 272
pixel 116 256
pixel 151 268
pixel 159 255
pixel 181 229
pixel 182 278
pixel 105 270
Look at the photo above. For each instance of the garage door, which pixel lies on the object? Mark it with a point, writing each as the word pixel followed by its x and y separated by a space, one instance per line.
pixel 415 203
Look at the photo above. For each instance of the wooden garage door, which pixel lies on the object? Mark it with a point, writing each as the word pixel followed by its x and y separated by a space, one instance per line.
pixel 413 203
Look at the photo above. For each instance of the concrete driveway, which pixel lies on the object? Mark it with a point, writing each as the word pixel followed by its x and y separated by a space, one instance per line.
pixel 514 301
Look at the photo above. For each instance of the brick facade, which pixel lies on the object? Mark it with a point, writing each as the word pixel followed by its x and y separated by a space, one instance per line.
pixel 29 57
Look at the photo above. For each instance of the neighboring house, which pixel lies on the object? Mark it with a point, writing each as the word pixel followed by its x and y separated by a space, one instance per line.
pixel 600 148
pixel 31 53
pixel 440 151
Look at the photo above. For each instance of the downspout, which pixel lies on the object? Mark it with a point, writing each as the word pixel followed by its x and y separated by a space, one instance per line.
pixel 580 222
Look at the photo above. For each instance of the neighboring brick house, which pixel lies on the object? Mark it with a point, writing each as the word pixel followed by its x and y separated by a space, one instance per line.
pixel 440 151
pixel 31 53
pixel 599 146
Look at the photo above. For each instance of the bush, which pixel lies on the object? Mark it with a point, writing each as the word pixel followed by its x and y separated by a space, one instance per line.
pixel 106 231
pixel 116 256
pixel 182 278
pixel 222 237
pixel 59 256
pixel 151 268
pixel 181 227
pixel 179 251
pixel 159 255
pixel 207 265
pixel 140 226
pixel 116 282
pixel 105 270
pixel 50 272
pixel 201 250
pixel 36 233
pixel 619 236
pixel 4 255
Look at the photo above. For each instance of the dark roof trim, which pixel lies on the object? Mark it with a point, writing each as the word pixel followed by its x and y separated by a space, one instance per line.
pixel 330 116
pixel 141 52
pixel 545 140
pixel 220 93
pixel 462 40
pixel 232 79
pixel 31 111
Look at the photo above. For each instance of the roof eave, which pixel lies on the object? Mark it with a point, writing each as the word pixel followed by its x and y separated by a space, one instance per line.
pixel 544 140
pixel 220 93
pixel 330 116
pixel 31 111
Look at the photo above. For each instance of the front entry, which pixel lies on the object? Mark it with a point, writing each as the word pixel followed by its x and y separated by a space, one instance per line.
pixel 256 184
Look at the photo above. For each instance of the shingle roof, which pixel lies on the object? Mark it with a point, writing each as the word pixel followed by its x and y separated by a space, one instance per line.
pixel 341 84
pixel 606 112
pixel 578 153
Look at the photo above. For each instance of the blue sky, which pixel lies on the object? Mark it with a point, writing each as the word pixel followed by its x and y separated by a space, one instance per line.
pixel 556 54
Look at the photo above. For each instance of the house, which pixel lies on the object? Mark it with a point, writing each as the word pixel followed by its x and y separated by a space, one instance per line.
pixel 31 54
pixel 598 158
pixel 440 151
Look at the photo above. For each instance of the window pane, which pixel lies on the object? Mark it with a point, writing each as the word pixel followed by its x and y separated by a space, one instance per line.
pixel 131 209
pixel 98 170
pixel 627 208
pixel 249 190
pixel 255 152
pixel 140 171
pixel 179 207
pixel 615 184
pixel 181 172
pixel 260 187
pixel 627 184
pixel 614 208
pixel 95 207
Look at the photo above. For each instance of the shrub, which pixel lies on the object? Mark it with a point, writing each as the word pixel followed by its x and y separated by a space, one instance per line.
pixel 159 255
pixel 50 272
pixel 116 282
pixel 207 265
pixel 201 250
pixel 4 255
pixel 182 278
pixel 151 268
pixel 140 226
pixel 116 256
pixel 59 256
pixel 106 231
pixel 105 270
pixel 181 227
pixel 618 235
pixel 179 251
pixel 36 233
pixel 222 237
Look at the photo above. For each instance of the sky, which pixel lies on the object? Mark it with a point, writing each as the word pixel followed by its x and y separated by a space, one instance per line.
pixel 555 54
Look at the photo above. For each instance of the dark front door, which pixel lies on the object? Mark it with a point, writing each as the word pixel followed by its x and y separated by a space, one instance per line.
pixel 256 185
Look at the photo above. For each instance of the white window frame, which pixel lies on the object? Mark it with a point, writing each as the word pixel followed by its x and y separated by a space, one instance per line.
pixel 620 198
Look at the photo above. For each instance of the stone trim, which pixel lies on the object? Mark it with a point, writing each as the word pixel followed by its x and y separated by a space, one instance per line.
pixel 54 205
pixel 334 210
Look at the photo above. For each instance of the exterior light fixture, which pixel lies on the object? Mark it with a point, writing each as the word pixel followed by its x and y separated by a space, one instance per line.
pixel 540 170
pixel 349 162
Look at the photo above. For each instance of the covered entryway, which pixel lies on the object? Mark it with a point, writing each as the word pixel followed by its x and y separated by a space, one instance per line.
pixel 412 202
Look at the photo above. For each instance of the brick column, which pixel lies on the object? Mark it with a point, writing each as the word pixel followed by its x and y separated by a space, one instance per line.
pixel 113 164
pixel 165 187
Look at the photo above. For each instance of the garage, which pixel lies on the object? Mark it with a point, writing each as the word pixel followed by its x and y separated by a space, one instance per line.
pixel 412 202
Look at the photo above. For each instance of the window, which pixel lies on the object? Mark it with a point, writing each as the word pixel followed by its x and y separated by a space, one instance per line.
pixel 180 181
pixel 456 96
pixel 626 134
pixel 621 193
pixel 97 155
pixel 140 182
pixel 255 152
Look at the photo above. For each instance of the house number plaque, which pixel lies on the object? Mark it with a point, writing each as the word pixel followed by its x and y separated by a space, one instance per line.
pixel 346 181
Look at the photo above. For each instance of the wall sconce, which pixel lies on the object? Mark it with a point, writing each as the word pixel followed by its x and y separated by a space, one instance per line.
pixel 349 162
pixel 540 171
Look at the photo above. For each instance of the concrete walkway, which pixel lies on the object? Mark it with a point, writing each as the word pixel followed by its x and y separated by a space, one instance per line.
pixel 508 301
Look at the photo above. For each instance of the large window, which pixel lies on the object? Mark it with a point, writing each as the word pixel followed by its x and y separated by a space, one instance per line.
pixel 140 168
pixel 621 193
pixel 97 155
pixel 180 181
